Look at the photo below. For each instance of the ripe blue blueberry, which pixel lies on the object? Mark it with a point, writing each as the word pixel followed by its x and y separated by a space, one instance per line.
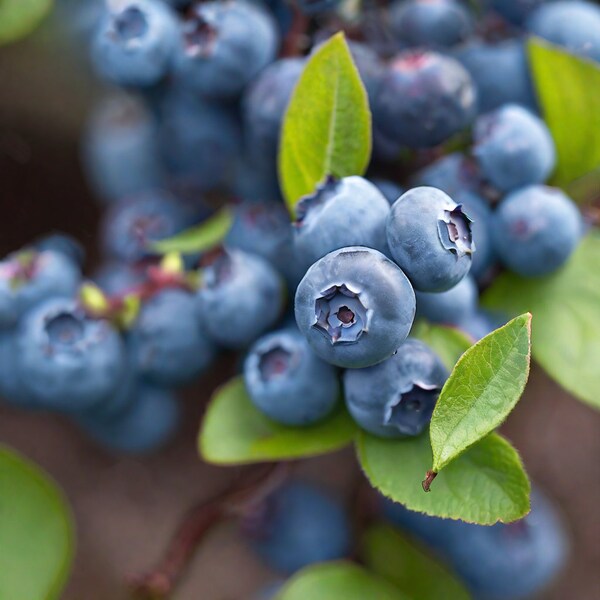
pixel 430 238
pixel 120 149
pixel 396 398
pixel 115 277
pixel 129 228
pixel 390 189
pixel 452 174
pixel 299 525
pixel 515 11
pixel 423 99
pixel 500 72
pixel 574 24
pixel 355 307
pixel 501 562
pixel 535 230
pixel 28 277
pixel 241 296
pixel 342 212
pixel 513 147
pixel 67 360
pixel 63 244
pixel 223 46
pixel 451 307
pixel 146 424
pixel 287 381
pixel 432 23
pixel 135 43
pixel 168 343
pixel 11 389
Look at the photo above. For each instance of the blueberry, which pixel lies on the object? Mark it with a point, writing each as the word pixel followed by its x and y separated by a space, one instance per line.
pixel 130 227
pixel 63 244
pixel 430 238
pixel 423 99
pixel 451 307
pixel 299 525
pixel 396 398
pixel 67 360
pixel 120 149
pixel 342 212
pixel 241 296
pixel 135 43
pixel 513 147
pixel 200 142
pixel 169 345
pixel 432 23
pixel 501 562
pixel 223 46
pixel 315 7
pixel 264 104
pixel 287 381
pixel 500 72
pixel 452 174
pixel 390 189
pixel 11 389
pixel 536 229
pixel 28 277
pixel 147 423
pixel 355 307
pixel 515 11
pixel 573 24
pixel 115 278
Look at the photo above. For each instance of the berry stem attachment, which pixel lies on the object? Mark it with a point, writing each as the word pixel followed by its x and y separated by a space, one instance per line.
pixel 429 477
pixel 159 582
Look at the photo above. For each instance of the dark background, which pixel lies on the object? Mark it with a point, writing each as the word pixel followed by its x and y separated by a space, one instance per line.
pixel 126 508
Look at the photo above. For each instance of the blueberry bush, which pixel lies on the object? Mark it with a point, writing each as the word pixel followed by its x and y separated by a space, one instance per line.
pixel 386 210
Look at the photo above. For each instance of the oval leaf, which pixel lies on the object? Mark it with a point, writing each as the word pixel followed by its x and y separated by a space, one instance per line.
pixel 411 569
pixel 337 581
pixel 235 432
pixel 447 342
pixel 203 237
pixel 484 485
pixel 36 532
pixel 483 388
pixel 327 125
pixel 19 17
pixel 566 308
pixel 567 87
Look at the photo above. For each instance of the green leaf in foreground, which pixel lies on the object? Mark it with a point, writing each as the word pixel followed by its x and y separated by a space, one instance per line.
pixel 411 569
pixel 484 485
pixel 203 237
pixel 449 343
pixel 566 309
pixel 235 432
pixel 338 581
pixel 327 125
pixel 567 87
pixel 36 532
pixel 20 17
pixel 483 388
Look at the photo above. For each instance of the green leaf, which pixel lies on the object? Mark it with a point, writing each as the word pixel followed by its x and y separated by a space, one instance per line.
pixel 413 570
pixel 483 388
pixel 235 432
pixel 20 17
pixel 566 311
pixel 36 532
pixel 447 342
pixel 203 237
pixel 484 485
pixel 327 126
pixel 338 581
pixel 567 87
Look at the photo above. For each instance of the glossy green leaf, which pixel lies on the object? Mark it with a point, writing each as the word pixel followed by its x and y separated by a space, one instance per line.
pixel 483 388
pixel 409 567
pixel 567 87
pixel 200 238
pixel 235 432
pixel 484 485
pixel 20 17
pixel 566 318
pixel 338 581
pixel 36 532
pixel 327 125
pixel 447 342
